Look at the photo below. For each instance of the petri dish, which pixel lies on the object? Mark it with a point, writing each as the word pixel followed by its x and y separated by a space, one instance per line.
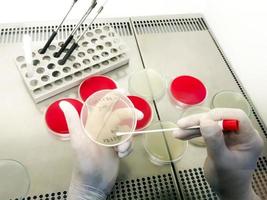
pixel 55 118
pixel 94 84
pixel 14 180
pixel 231 99
pixel 199 141
pixel 103 114
pixel 163 148
pixel 142 105
pixel 187 91
pixel 148 84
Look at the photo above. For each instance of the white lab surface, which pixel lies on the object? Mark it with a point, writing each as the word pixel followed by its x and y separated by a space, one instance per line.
pixel 239 26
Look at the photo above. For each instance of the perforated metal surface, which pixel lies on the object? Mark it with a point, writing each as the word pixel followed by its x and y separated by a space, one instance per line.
pixel 169 25
pixel 195 186
pixel 41 33
pixel 259 182
pixel 158 187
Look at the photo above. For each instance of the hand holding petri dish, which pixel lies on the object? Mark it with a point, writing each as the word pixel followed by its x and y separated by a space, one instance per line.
pixel 106 112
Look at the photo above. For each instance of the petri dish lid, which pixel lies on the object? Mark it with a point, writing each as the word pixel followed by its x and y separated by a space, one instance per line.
pixel 148 84
pixel 231 99
pixel 188 90
pixel 55 118
pixel 163 148
pixel 199 141
pixel 14 180
pixel 142 105
pixel 94 84
pixel 100 114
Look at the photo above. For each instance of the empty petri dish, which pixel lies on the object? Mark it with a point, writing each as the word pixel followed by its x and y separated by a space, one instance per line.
pixel 142 105
pixel 107 108
pixel 187 91
pixel 162 147
pixel 94 84
pixel 55 118
pixel 199 141
pixel 148 84
pixel 231 99
pixel 14 180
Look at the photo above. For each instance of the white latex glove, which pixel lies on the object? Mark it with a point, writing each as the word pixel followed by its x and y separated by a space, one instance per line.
pixel 96 167
pixel 231 157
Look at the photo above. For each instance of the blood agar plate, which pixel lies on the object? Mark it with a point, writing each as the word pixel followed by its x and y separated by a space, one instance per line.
pixel 187 91
pixel 14 180
pixel 105 113
pixel 142 105
pixel 231 99
pixel 199 141
pixel 163 148
pixel 148 84
pixel 55 118
pixel 94 84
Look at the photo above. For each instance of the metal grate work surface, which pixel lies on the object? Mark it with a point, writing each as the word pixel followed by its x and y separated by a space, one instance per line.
pixel 41 33
pixel 195 186
pixel 159 187
pixel 169 25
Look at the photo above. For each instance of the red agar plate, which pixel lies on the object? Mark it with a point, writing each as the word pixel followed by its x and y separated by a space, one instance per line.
pixel 142 105
pixel 94 84
pixel 188 90
pixel 55 119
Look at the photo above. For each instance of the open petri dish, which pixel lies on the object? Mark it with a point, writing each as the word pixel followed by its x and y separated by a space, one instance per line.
pixel 199 141
pixel 14 180
pixel 142 105
pixel 105 113
pixel 187 91
pixel 148 84
pixel 94 84
pixel 162 147
pixel 55 118
pixel 231 99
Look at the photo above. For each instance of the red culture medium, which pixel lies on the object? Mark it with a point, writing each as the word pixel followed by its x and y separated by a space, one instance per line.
pixel 94 84
pixel 142 105
pixel 188 90
pixel 55 119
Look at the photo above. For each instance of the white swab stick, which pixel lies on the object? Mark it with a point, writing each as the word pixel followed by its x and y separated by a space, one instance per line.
pixel 27 46
pixel 226 125
pixel 149 131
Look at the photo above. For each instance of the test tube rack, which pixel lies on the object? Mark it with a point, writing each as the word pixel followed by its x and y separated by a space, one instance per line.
pixel 101 50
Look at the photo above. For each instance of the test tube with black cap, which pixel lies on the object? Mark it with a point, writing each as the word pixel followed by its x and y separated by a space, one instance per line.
pixel 75 44
pixel 69 39
pixel 52 37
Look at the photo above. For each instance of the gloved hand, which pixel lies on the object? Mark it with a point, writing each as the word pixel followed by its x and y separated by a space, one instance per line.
pixel 96 167
pixel 231 157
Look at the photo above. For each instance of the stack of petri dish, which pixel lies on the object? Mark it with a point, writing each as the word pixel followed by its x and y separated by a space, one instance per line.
pixel 55 118
pixel 198 141
pixel 14 180
pixel 95 83
pixel 148 84
pixel 161 147
pixel 143 106
pixel 231 99
pixel 187 91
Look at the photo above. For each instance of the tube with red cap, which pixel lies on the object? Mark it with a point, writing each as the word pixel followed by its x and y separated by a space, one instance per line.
pixel 226 125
